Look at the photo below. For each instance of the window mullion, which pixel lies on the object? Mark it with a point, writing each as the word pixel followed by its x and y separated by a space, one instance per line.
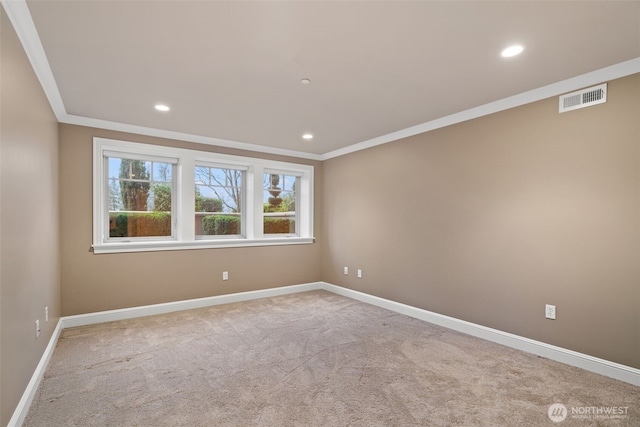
pixel 186 194
pixel 304 208
pixel 103 206
pixel 255 196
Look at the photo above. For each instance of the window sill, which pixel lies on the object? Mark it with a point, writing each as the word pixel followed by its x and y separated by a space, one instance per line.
pixel 152 246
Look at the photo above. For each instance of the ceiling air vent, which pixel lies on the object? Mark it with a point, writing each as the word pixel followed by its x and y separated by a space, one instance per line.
pixel 583 98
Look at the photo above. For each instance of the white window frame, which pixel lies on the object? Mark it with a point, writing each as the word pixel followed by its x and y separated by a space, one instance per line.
pixel 183 207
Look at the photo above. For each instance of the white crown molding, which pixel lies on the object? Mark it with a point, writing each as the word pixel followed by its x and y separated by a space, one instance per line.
pixel 180 136
pixel 612 72
pixel 20 17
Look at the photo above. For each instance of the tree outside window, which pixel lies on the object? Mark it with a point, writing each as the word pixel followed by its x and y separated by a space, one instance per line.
pixel 140 194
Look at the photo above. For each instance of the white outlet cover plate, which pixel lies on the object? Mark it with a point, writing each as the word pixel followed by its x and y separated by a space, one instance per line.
pixel 550 311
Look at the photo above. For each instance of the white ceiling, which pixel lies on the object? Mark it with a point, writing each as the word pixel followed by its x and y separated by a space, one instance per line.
pixel 231 71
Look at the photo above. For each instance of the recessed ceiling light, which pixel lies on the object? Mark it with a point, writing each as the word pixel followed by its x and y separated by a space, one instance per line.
pixel 162 107
pixel 305 81
pixel 512 51
pixel 307 136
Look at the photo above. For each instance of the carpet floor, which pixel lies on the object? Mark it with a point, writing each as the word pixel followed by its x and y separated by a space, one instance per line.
pixel 310 359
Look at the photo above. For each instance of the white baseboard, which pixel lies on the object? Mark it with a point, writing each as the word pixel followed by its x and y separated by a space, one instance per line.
pixel 559 354
pixel 150 310
pixel 569 357
pixel 21 410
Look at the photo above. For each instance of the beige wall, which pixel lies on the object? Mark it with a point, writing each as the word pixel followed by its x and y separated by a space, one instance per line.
pixel 29 263
pixel 109 281
pixel 491 219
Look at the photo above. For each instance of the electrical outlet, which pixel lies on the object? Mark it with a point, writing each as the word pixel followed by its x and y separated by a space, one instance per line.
pixel 550 311
pixel 359 274
pixel 46 314
pixel 37 328
pixel 225 275
pixel 346 270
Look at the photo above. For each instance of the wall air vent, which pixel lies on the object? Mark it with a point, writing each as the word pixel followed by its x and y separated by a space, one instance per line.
pixel 583 98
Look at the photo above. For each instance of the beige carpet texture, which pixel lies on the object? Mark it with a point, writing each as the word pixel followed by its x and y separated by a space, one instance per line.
pixel 311 359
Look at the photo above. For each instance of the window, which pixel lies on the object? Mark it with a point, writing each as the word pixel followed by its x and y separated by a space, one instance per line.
pixel 150 198
pixel 279 203
pixel 219 201
pixel 140 193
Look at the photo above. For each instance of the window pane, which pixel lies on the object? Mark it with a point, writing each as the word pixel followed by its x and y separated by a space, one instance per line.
pixel 140 194
pixel 279 203
pixel 218 203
